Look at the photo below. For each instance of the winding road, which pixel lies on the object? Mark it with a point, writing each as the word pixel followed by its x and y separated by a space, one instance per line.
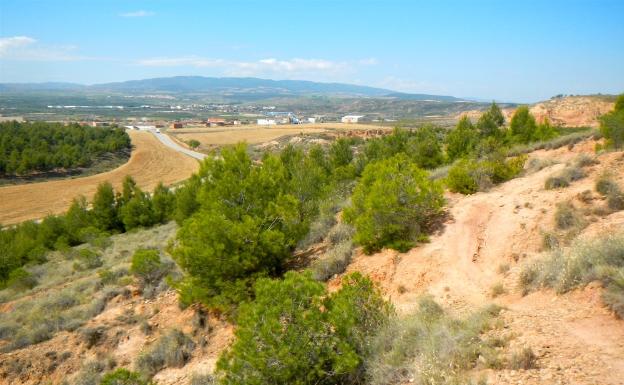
pixel 167 141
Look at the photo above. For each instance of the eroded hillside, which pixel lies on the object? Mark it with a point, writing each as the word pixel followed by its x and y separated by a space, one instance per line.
pixel 99 321
pixel 568 111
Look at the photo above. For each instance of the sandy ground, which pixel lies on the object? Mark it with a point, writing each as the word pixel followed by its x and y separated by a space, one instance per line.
pixel 150 163
pixel 254 134
pixel 577 340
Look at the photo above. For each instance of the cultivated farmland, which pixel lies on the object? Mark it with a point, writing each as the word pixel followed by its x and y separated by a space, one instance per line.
pixel 253 134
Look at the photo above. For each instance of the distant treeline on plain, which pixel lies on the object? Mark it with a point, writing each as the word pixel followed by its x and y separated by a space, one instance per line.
pixel 32 147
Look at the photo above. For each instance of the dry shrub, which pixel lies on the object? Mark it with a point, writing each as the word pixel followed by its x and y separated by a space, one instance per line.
pixel 599 260
pixel 430 347
pixel 523 359
pixel 567 216
pixel 174 349
pixel 334 261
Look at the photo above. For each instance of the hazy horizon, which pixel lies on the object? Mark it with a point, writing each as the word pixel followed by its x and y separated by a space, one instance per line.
pixel 521 52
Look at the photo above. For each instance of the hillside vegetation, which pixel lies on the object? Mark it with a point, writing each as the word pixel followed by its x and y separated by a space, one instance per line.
pixel 256 240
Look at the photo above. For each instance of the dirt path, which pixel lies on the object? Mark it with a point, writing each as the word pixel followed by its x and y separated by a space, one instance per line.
pixel 577 339
pixel 150 163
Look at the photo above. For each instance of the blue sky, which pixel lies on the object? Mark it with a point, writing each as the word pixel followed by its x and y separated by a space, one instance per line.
pixel 511 51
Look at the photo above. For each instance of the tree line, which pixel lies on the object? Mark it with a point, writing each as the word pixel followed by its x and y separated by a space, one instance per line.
pixel 110 212
pixel 31 147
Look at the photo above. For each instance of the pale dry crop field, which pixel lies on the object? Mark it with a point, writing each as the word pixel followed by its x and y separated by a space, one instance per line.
pixel 151 162
pixel 254 134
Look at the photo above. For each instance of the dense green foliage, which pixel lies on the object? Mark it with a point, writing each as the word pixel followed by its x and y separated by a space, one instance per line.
pixel 423 146
pixel 250 218
pixel 294 332
pixel 467 176
pixel 38 146
pixel 462 141
pixel 612 125
pixel 147 266
pixel 524 129
pixel 393 204
pixel 28 242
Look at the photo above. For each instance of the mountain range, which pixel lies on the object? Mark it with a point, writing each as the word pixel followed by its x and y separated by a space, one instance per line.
pixel 228 87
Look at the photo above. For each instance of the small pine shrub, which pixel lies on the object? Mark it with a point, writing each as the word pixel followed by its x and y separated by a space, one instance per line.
pixel 87 259
pixel 147 266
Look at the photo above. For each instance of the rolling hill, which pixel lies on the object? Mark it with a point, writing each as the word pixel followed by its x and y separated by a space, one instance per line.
pixel 233 88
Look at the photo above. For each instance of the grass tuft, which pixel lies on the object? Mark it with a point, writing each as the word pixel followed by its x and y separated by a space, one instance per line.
pixel 599 260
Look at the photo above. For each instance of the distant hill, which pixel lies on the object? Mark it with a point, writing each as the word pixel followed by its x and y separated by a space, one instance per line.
pixel 231 88
pixel 564 111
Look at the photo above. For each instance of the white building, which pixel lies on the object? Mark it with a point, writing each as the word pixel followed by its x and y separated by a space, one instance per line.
pixel 351 118
pixel 266 122
pixel 312 120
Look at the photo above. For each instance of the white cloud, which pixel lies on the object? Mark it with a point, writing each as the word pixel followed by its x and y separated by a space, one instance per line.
pixel 140 13
pixel 28 48
pixel 8 44
pixel 267 66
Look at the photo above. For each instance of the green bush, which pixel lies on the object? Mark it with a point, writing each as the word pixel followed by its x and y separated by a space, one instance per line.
pixel 123 377
pixel 251 217
pixel 147 266
pixel 470 176
pixel 87 259
pixel 21 279
pixel 295 333
pixel 462 140
pixel 612 125
pixel 393 204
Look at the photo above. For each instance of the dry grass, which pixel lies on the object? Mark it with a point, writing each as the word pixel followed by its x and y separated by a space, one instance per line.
pixel 599 260
pixel 430 347
pixel 150 163
pixel 254 134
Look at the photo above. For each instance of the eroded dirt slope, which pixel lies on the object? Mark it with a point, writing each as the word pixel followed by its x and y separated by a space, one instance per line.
pixel 577 340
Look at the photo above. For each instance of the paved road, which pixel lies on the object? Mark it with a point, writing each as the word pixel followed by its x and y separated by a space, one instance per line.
pixel 167 141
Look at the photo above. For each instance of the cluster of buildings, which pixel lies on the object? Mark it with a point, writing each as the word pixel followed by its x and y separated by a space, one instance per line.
pixel 271 118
